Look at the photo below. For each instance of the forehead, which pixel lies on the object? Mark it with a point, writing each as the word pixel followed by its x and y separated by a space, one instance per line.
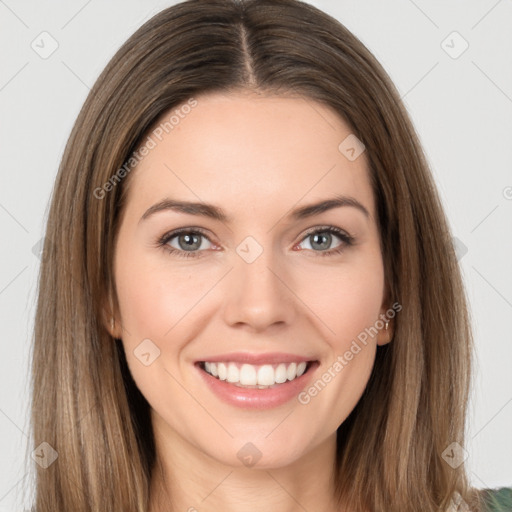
pixel 249 151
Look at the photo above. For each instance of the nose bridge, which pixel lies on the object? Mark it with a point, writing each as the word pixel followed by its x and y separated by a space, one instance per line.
pixel 256 293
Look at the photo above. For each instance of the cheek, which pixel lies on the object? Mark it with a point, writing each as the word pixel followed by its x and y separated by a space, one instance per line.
pixel 140 301
pixel 154 297
pixel 348 306
pixel 347 299
pixel 154 300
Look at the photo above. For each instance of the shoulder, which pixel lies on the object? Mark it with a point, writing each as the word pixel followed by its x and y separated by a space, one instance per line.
pixel 497 500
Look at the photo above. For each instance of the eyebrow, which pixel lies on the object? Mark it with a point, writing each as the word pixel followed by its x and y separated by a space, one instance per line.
pixel 216 213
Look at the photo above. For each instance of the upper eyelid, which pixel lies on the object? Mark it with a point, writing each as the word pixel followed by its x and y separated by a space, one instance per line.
pixel 334 229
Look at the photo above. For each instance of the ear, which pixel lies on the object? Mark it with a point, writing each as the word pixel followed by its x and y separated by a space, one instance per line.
pixel 386 329
pixel 110 319
pixel 385 324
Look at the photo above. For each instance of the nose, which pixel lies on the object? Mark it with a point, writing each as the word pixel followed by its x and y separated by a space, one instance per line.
pixel 259 294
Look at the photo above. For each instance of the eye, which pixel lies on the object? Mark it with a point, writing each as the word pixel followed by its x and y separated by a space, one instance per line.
pixel 186 242
pixel 321 239
pixel 192 242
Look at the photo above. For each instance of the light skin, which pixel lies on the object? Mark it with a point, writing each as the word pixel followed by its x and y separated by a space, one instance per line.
pixel 258 158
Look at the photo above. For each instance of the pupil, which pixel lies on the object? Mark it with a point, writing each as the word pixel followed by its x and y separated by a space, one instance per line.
pixel 190 241
pixel 326 242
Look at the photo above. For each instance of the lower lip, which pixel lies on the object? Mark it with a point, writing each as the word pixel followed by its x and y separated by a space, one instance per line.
pixel 252 398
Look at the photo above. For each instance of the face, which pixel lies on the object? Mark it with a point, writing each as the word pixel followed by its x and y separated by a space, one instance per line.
pixel 256 279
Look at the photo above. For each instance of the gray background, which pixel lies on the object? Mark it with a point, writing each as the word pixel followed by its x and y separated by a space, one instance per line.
pixel 461 107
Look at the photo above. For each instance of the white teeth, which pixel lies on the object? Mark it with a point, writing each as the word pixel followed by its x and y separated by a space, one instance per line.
pixel 233 373
pixel 266 375
pixel 248 375
pixel 223 372
pixel 291 372
pixel 255 376
pixel 281 374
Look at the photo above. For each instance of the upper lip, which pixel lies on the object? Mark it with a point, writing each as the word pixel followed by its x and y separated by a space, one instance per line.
pixel 257 359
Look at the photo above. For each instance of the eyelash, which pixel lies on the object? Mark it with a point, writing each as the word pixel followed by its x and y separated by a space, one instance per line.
pixel 163 241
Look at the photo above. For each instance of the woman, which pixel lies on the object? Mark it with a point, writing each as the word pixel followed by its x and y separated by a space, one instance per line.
pixel 249 298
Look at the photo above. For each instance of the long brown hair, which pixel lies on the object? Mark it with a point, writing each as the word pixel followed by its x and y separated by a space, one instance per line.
pixel 85 404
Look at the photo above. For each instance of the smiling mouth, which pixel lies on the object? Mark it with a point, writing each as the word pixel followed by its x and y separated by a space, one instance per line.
pixel 255 376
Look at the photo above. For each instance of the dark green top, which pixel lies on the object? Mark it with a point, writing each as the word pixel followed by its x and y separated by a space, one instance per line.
pixel 498 500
